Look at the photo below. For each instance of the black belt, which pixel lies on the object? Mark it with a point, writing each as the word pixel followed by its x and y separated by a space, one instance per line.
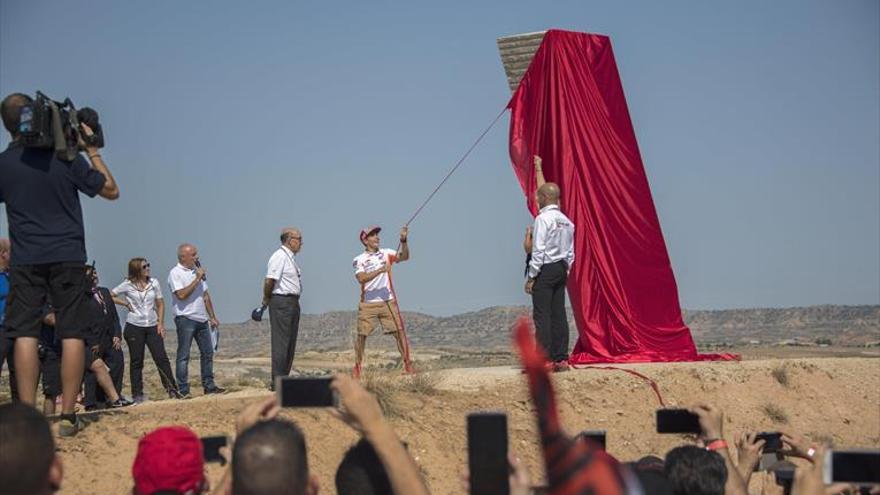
pixel 296 296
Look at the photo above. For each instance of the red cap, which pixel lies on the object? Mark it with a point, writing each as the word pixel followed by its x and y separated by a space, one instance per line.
pixel 169 458
pixel 369 230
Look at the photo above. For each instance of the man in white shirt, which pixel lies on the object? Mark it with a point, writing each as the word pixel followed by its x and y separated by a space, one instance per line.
pixel 551 258
pixel 193 313
pixel 378 305
pixel 281 290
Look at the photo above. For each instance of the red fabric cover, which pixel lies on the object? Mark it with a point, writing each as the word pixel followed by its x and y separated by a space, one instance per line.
pixel 169 458
pixel 570 110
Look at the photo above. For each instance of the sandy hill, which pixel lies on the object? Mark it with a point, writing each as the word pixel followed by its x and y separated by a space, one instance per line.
pixel 832 399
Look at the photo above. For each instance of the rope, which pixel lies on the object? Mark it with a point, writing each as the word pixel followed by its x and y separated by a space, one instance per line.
pixel 458 164
pixel 650 381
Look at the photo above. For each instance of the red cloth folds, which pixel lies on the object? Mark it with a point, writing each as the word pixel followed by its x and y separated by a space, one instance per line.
pixel 570 110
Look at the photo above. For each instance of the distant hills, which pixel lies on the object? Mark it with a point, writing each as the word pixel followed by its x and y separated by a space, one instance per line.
pixel 487 329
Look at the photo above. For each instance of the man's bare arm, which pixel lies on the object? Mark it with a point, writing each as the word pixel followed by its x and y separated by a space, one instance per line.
pixel 110 190
pixel 268 287
pixel 209 305
pixel 403 255
pixel 539 173
pixel 365 277
pixel 188 290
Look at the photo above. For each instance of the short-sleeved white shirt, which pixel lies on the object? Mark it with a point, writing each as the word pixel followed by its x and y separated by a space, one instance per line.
pixel 142 302
pixel 193 307
pixel 378 289
pixel 282 268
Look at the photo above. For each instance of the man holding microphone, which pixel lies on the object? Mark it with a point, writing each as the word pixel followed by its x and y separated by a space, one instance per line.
pixel 193 313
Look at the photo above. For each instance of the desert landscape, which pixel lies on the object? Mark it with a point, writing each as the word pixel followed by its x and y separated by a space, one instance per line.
pixel 831 393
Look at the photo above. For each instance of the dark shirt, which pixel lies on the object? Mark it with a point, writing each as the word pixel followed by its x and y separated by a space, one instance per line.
pixel 42 204
pixel 104 317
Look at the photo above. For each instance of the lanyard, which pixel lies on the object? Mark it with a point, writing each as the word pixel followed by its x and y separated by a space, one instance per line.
pixel 295 267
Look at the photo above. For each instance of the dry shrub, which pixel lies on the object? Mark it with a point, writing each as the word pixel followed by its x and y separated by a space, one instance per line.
pixel 775 413
pixel 385 391
pixel 780 373
pixel 422 383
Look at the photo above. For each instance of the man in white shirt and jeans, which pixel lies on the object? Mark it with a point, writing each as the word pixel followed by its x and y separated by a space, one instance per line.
pixel 378 305
pixel 281 290
pixel 193 313
pixel 551 258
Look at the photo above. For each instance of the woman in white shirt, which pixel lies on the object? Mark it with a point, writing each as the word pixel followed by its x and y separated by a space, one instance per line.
pixel 142 296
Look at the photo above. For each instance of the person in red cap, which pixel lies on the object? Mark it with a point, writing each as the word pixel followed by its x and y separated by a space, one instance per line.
pixel 169 460
pixel 378 305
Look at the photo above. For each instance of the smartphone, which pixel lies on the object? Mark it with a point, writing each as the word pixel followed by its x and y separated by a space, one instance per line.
pixel 772 441
pixel 596 436
pixel 211 447
pixel 487 453
pixel 677 421
pixel 305 392
pixel 858 466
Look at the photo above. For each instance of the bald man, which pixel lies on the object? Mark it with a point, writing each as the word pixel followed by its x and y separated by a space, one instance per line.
pixel 552 255
pixel 194 317
pixel 281 290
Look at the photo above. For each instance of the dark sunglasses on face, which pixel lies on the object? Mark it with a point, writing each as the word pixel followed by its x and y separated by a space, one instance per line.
pixel 146 265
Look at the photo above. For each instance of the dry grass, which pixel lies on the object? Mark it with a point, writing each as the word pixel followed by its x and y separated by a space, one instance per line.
pixel 385 391
pixel 780 374
pixel 775 413
pixel 422 383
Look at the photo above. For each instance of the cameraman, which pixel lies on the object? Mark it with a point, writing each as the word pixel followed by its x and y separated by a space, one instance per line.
pixel 41 194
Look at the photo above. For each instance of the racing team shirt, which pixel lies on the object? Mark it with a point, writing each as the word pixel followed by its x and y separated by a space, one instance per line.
pixel 554 240
pixel 378 289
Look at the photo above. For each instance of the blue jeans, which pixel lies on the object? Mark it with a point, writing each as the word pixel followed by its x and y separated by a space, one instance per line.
pixel 188 329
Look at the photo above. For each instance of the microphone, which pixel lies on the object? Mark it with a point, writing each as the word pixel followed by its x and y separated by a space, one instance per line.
pixel 199 265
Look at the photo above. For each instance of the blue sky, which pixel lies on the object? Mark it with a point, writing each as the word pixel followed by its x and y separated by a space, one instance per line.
pixel 758 122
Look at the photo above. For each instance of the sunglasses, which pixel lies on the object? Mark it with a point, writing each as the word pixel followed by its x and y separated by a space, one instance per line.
pixel 145 266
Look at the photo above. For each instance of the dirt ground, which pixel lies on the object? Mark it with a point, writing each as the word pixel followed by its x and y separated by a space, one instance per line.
pixel 830 399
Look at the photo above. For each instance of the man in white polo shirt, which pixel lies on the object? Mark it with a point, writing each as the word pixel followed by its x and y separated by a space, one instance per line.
pixel 193 313
pixel 378 305
pixel 281 290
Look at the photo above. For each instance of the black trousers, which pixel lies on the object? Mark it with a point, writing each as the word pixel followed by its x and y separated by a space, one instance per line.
pixel 548 310
pixel 284 321
pixel 137 337
pixel 94 394
pixel 6 354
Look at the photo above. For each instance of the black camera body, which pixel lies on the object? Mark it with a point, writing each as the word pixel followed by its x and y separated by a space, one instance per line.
pixel 45 123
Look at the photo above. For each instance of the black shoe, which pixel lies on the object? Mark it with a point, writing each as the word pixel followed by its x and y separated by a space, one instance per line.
pixel 120 402
pixel 215 390
pixel 69 426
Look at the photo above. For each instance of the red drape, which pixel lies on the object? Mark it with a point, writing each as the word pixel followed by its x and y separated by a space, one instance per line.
pixel 570 110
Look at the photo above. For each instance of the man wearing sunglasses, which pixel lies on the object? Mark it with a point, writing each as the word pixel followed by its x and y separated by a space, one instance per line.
pixel 281 290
